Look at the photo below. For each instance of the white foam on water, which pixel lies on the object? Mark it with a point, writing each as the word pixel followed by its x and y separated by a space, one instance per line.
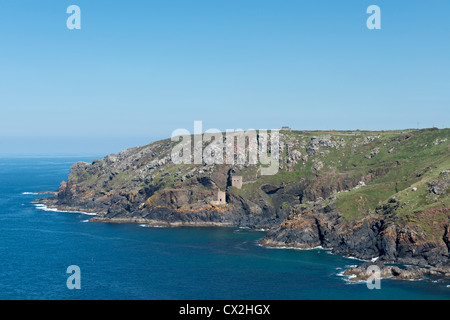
pixel 42 206
pixel 145 225
pixel 294 248
pixel 359 259
pixel 347 279
pixel 30 193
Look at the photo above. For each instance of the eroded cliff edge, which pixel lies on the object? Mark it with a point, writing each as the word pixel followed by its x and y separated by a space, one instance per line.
pixel 382 195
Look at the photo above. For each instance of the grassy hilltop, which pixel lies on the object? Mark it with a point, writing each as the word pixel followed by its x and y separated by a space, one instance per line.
pixel 399 164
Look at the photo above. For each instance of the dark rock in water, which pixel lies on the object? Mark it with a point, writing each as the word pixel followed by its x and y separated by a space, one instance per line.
pixel 366 270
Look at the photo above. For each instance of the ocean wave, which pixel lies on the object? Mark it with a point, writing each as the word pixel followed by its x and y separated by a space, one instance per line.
pixel 42 206
pixel 294 248
pixel 363 260
pixel 34 193
pixel 348 279
pixel 241 228
pixel 145 225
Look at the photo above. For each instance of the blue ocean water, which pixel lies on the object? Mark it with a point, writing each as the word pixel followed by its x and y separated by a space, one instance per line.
pixel 128 261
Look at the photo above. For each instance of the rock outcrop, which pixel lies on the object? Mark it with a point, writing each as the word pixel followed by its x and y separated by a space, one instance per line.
pixel 366 270
pixel 369 195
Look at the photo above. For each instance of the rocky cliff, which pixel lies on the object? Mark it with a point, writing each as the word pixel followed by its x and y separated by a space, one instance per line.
pixel 381 195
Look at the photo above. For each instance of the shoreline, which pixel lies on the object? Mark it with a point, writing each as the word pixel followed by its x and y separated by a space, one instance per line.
pixel 353 274
pixel 159 223
pixel 41 204
pixel 98 216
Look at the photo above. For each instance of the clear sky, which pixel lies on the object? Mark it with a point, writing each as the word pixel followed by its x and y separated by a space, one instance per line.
pixel 138 70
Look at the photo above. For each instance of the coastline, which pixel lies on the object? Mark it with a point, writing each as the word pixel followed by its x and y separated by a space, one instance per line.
pixel 353 273
pixel 360 273
pixel 159 223
pixel 100 216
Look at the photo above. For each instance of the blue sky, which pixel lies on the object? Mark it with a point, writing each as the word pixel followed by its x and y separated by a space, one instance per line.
pixel 137 70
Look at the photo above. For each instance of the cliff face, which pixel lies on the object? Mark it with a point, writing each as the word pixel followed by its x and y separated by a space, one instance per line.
pixel 374 236
pixel 365 194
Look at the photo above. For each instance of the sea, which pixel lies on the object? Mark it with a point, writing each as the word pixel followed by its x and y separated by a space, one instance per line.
pixel 39 247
